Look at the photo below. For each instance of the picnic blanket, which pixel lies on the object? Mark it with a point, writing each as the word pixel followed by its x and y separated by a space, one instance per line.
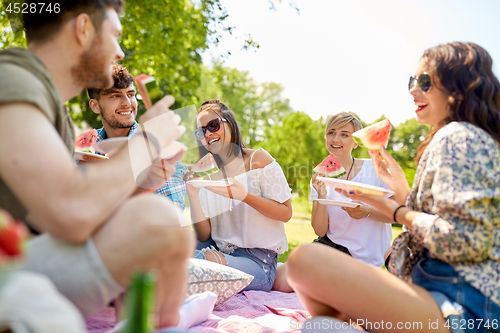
pixel 247 312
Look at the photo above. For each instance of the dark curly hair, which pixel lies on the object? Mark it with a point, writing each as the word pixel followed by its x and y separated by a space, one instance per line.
pixel 465 71
pixel 122 78
pixel 223 111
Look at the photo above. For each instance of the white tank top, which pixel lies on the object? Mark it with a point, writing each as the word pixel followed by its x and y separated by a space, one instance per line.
pixel 367 239
pixel 236 224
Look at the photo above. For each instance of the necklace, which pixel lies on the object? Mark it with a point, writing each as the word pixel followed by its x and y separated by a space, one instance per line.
pixel 347 178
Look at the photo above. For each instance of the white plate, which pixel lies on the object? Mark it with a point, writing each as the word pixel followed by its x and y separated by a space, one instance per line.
pixel 337 203
pixel 215 183
pixel 79 156
pixel 113 145
pixel 357 188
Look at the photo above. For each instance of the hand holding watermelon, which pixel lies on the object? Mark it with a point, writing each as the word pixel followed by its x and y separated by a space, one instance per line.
pixel 162 123
pixel 319 186
pixel 391 173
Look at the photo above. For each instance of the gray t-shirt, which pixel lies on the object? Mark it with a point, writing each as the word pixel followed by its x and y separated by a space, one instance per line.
pixel 25 79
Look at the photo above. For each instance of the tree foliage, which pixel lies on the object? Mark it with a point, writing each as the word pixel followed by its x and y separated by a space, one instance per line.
pixel 162 38
pixel 298 145
pixel 257 107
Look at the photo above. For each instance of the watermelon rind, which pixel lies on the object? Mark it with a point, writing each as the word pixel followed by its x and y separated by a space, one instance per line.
pixel 334 174
pixel 207 173
pixel 323 169
pixel 208 170
pixel 365 135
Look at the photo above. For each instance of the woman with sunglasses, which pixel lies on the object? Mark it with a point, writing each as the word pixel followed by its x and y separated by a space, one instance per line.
pixel 241 225
pixel 446 264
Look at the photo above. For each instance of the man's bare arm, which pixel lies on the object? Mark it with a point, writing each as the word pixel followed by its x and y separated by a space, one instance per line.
pixel 64 200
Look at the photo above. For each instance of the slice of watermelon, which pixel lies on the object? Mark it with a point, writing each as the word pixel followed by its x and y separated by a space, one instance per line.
pixel 149 89
pixel 205 167
pixel 375 136
pixel 330 167
pixel 85 141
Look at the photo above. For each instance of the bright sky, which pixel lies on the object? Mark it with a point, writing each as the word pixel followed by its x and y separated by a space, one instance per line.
pixel 352 55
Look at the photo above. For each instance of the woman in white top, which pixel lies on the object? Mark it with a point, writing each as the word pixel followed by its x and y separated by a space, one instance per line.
pixel 362 232
pixel 240 225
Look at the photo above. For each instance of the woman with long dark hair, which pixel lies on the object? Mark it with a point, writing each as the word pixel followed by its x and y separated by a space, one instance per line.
pixel 446 264
pixel 240 225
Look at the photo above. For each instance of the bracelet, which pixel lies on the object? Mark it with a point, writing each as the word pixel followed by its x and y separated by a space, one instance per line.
pixel 394 217
pixel 369 211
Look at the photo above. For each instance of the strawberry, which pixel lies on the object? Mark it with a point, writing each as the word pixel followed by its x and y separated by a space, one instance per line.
pixel 4 258
pixel 12 234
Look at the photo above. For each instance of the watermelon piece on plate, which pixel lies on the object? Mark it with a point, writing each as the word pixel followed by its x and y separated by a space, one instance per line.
pixel 375 136
pixel 85 141
pixel 205 167
pixel 149 89
pixel 330 167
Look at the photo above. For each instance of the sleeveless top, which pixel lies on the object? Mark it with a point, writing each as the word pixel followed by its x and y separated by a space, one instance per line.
pixel 367 239
pixel 236 224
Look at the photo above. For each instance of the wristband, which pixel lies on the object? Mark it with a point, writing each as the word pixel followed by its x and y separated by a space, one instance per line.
pixel 394 217
pixel 369 211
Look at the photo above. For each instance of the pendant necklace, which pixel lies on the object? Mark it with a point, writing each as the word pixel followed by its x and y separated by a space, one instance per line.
pixel 347 178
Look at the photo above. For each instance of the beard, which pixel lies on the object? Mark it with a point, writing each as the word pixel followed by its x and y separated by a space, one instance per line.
pixel 93 70
pixel 113 122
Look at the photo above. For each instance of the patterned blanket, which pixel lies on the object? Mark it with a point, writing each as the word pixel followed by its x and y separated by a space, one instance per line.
pixel 248 312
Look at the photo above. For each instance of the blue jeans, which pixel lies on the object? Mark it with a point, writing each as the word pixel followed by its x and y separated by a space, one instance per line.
pixel 470 309
pixel 260 263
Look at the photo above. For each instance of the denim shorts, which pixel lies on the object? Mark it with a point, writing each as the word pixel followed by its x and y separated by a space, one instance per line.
pixel 464 307
pixel 261 263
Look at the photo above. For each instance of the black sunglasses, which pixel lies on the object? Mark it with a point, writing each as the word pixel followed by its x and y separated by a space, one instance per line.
pixel 423 81
pixel 213 126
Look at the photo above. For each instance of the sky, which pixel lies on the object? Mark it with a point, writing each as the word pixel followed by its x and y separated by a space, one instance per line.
pixel 351 55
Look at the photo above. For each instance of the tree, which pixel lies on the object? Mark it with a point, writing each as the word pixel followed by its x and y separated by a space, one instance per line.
pixel 257 107
pixel 162 38
pixel 298 145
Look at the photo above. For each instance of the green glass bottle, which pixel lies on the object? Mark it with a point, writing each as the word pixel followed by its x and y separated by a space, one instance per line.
pixel 139 304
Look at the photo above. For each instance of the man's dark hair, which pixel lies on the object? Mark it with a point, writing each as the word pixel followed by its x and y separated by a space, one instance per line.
pixel 121 77
pixel 44 24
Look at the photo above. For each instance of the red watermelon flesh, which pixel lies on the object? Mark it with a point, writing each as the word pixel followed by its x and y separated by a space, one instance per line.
pixel 86 140
pixel 331 167
pixel 205 167
pixel 375 136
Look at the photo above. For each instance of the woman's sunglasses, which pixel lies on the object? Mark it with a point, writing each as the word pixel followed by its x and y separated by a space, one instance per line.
pixel 423 81
pixel 213 126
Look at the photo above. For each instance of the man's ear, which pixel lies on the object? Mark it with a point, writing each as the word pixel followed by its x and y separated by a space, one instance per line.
pixel 84 29
pixel 94 105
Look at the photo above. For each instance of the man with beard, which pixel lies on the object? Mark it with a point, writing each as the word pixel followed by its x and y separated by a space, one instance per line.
pixel 118 109
pixel 95 230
